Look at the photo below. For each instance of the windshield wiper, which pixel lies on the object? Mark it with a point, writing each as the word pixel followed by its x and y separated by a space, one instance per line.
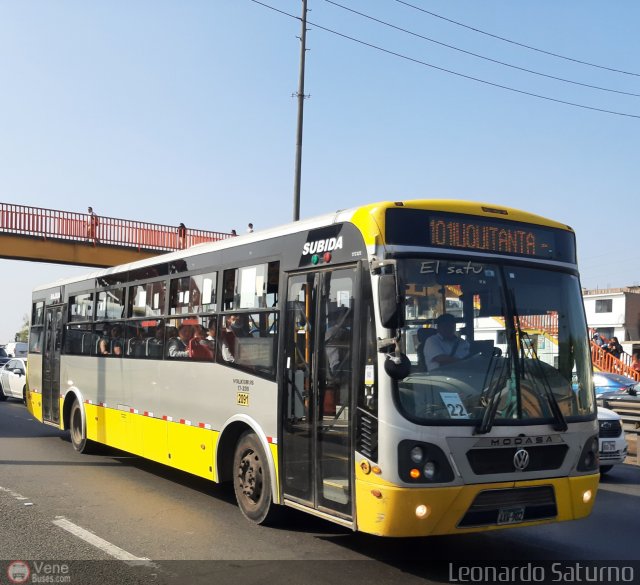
pixel 491 406
pixel 560 421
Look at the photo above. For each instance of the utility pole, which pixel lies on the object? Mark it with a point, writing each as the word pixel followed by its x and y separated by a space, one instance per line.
pixel 301 97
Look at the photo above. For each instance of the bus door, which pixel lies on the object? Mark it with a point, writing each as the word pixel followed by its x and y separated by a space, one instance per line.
pixel 320 349
pixel 51 364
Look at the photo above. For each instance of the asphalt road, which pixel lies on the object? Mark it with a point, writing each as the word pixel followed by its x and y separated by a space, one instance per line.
pixel 84 511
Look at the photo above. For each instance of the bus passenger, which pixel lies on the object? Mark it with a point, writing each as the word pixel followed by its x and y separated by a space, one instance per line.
pixel 199 348
pixel 135 345
pixel 228 337
pixel 211 334
pixel 116 348
pixel 177 346
pixel 103 343
pixel 445 347
pixel 155 344
pixel 110 338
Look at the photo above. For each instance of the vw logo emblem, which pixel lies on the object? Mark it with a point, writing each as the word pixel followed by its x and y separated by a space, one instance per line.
pixel 521 459
pixel 606 425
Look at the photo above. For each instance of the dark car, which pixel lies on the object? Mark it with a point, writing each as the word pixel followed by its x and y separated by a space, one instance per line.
pixel 606 382
pixel 4 358
pixel 631 394
pixel 614 388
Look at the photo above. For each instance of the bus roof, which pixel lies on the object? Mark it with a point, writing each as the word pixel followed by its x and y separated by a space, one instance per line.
pixel 369 219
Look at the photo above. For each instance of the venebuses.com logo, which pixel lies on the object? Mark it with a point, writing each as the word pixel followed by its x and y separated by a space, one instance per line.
pixel 18 572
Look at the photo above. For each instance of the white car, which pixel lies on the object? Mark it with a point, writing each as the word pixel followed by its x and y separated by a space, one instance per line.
pixel 13 380
pixel 613 445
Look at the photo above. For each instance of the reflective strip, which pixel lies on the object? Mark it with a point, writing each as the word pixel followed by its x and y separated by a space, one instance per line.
pixel 133 410
pixel 204 426
pixel 169 418
pixel 185 422
pixel 147 413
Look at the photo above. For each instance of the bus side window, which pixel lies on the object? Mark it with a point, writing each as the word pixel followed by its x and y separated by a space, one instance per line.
pixel 229 289
pixel 273 281
pixel 248 341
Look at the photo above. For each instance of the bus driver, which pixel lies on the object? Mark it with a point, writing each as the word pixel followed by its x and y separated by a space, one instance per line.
pixel 445 347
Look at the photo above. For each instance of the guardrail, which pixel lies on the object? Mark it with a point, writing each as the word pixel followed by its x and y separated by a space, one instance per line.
pixel 629 410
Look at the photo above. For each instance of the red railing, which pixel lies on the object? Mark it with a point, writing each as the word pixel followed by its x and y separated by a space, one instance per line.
pixel 606 362
pixel 546 323
pixel 73 226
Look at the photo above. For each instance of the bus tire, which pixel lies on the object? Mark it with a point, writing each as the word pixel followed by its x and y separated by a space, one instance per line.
pixel 2 394
pixel 78 431
pixel 251 480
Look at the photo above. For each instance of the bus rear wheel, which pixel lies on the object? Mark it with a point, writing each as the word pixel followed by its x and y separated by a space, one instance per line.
pixel 251 480
pixel 78 430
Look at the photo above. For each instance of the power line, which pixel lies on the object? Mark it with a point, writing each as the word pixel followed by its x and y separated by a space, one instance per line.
pixel 517 43
pixel 451 72
pixel 404 30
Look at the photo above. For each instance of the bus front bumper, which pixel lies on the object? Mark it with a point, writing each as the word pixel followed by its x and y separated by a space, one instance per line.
pixel 388 510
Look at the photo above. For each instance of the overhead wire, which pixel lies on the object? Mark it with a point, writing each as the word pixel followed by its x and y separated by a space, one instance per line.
pixel 450 71
pixel 506 40
pixel 412 33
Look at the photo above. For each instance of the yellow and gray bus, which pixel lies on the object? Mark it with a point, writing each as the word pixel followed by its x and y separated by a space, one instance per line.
pixel 305 365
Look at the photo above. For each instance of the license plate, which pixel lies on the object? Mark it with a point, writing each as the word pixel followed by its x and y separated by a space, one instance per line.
pixel 510 515
pixel 608 446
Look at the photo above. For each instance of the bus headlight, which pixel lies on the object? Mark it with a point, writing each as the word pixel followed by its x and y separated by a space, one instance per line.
pixel 416 454
pixel 429 470
pixel 590 456
pixel 420 462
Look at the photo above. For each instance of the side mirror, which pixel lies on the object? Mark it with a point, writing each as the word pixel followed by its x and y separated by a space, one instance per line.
pixel 397 365
pixel 391 307
pixel 632 392
pixel 18 371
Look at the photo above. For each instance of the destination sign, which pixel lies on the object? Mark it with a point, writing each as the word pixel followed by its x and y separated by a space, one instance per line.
pixel 417 227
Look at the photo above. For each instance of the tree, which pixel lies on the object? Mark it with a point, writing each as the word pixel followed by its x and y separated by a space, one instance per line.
pixel 23 334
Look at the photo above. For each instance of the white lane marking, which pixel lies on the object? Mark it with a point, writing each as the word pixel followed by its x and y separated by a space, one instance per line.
pixel 93 539
pixel 16 495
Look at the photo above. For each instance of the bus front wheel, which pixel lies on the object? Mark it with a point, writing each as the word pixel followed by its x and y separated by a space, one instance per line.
pixel 78 430
pixel 251 479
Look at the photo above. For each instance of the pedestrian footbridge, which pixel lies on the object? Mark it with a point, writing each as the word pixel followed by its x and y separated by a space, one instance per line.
pixel 65 237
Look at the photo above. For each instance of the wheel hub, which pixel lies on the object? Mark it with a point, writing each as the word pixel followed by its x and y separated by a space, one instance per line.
pixel 250 476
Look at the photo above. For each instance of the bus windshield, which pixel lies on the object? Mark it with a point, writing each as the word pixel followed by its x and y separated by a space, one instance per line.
pixel 493 344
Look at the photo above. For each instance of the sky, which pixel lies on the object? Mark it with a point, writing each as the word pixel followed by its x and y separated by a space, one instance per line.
pixel 169 112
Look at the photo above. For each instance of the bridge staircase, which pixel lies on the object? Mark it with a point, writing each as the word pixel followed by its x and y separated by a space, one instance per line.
pixel 603 361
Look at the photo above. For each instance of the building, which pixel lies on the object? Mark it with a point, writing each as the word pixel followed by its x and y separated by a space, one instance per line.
pixel 615 312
